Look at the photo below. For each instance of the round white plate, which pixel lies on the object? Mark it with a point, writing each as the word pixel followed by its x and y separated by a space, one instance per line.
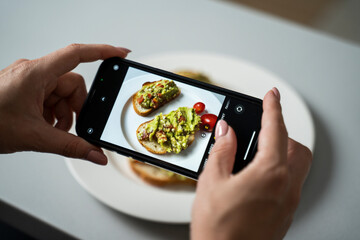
pixel 116 185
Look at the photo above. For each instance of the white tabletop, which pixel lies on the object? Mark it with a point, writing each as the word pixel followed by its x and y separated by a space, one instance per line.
pixel 324 70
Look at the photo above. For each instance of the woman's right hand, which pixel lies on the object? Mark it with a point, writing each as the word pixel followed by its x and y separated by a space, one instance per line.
pixel 260 201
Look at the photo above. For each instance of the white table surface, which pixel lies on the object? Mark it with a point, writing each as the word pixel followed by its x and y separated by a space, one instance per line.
pixel 324 70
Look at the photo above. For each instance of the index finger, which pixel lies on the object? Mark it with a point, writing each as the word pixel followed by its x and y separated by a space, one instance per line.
pixel 273 136
pixel 66 59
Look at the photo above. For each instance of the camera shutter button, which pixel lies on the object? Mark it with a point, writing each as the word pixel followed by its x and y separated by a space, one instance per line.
pixel 239 109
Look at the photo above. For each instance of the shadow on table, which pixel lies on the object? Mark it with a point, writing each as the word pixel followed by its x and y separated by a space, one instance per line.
pixel 321 171
pixel 155 230
pixel 160 230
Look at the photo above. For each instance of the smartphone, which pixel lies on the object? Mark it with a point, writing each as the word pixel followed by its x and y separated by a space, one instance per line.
pixel 108 118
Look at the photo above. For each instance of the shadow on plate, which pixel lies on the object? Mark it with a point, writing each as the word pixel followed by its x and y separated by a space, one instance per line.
pixel 319 178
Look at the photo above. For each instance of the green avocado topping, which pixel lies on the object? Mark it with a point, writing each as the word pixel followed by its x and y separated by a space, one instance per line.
pixel 172 131
pixel 153 95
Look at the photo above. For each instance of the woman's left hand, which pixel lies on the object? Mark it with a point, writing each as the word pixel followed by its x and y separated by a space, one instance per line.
pixel 38 98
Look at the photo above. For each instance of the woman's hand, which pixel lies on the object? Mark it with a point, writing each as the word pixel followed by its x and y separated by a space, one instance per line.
pixel 259 202
pixel 34 94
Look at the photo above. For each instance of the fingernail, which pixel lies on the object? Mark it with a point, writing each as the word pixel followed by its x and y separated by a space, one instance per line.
pixel 221 129
pixel 124 49
pixel 97 157
pixel 276 92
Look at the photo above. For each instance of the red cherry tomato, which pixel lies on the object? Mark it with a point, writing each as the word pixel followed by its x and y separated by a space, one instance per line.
pixel 199 107
pixel 208 121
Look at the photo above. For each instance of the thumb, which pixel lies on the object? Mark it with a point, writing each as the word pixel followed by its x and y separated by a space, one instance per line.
pixel 222 156
pixel 54 140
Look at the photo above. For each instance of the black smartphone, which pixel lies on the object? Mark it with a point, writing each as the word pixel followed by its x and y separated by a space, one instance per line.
pixel 111 117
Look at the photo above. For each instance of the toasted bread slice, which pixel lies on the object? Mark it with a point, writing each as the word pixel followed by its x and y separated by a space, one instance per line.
pixel 153 146
pixel 194 75
pixel 146 111
pixel 157 176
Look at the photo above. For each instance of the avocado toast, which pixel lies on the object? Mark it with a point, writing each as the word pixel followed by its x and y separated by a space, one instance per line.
pixel 153 95
pixel 170 133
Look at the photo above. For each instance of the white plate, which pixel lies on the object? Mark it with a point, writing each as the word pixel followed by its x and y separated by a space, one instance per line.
pixel 116 186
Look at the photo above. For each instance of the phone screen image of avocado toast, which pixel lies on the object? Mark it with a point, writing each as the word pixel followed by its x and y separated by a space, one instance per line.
pixel 123 122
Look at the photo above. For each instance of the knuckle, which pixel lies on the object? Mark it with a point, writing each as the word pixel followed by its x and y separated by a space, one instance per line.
pixel 21 60
pixel 74 46
pixel 216 153
pixel 79 79
pixel 221 147
pixel 297 149
pixel 22 68
pixel 281 175
pixel 278 180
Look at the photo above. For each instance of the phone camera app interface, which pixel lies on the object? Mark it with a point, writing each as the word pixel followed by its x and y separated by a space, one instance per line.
pixel 239 109
pixel 163 118
pixel 90 130
pixel 116 67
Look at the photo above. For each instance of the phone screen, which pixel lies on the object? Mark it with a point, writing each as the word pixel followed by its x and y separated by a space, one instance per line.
pixel 116 122
pixel 123 121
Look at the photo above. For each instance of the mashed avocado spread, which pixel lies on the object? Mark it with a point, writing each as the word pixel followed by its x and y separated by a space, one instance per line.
pixel 152 95
pixel 172 130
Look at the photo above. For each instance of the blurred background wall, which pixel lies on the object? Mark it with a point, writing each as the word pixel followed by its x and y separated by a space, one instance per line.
pixel 339 18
